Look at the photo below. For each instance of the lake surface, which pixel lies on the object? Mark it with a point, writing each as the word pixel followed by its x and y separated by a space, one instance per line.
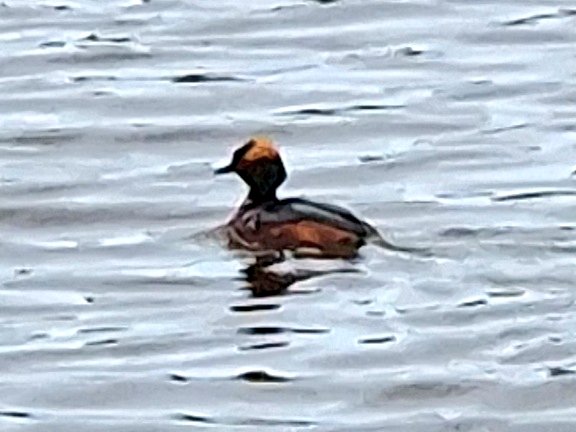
pixel 450 125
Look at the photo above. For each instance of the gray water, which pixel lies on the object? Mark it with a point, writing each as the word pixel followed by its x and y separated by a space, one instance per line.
pixel 450 125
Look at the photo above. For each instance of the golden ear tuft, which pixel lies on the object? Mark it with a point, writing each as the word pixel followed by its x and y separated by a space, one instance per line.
pixel 262 148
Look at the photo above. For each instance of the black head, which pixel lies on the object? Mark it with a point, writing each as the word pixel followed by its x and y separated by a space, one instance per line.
pixel 258 163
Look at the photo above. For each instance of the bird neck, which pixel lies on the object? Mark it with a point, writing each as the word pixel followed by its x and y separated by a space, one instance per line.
pixel 256 196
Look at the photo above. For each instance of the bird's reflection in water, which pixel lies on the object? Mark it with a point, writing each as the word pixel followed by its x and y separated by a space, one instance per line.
pixel 263 281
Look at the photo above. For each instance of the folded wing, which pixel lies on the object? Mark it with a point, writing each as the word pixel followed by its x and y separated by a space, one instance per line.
pixel 298 209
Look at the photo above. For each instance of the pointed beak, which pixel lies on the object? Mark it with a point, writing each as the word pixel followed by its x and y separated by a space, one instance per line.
pixel 224 170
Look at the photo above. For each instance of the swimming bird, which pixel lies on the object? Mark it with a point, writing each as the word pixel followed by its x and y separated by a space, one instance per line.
pixel 265 224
